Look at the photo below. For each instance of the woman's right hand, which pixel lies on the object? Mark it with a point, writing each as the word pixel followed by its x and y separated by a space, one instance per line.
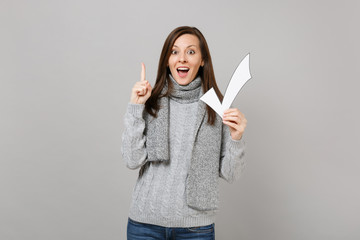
pixel 142 90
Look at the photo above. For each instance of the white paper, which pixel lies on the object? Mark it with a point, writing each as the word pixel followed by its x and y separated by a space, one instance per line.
pixel 238 80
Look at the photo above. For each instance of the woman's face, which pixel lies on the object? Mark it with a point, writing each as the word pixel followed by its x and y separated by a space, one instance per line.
pixel 185 59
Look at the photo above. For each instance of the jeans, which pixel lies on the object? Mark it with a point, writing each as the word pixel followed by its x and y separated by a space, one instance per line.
pixel 144 231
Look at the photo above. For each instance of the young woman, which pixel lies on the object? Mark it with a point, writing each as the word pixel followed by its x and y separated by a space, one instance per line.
pixel 180 144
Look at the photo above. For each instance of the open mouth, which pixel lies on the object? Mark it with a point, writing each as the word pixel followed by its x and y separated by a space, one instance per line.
pixel 183 71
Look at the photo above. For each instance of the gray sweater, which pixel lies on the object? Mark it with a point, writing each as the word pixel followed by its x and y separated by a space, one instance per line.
pixel 159 195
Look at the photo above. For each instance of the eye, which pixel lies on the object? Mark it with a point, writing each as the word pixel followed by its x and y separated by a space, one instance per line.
pixel 173 52
pixel 191 52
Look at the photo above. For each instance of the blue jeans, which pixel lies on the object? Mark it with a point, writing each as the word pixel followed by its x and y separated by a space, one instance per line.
pixel 144 231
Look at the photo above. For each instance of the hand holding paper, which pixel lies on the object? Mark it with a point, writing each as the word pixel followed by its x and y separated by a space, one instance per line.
pixel 238 79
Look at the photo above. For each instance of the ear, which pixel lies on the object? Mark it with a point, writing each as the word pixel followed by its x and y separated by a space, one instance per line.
pixel 202 63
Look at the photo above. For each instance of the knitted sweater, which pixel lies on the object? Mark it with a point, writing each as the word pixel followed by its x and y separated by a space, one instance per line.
pixel 159 195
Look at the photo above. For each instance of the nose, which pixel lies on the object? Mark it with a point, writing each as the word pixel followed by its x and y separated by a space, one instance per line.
pixel 182 58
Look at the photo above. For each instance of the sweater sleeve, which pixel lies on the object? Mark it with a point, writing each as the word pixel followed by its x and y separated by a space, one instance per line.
pixel 232 160
pixel 133 147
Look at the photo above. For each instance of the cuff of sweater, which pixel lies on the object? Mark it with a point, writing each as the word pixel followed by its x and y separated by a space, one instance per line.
pixel 238 144
pixel 136 110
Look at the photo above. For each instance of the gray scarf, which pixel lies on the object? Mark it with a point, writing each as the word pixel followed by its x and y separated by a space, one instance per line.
pixel 202 180
pixel 157 143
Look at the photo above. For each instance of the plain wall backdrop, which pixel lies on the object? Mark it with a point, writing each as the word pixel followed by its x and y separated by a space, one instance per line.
pixel 66 71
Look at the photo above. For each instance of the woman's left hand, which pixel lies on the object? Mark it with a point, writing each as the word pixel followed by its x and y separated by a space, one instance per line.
pixel 236 122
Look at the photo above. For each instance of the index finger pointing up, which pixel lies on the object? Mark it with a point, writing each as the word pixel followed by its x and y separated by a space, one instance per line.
pixel 142 72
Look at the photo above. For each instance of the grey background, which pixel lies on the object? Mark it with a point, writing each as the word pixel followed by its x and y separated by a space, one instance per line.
pixel 66 70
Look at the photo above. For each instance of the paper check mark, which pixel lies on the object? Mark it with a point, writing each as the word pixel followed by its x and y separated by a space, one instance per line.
pixel 238 80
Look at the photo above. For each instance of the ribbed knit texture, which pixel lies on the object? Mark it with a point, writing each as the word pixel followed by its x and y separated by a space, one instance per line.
pixel 159 195
pixel 157 130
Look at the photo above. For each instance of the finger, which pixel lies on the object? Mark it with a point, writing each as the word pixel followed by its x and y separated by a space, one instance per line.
pixel 230 124
pixel 140 90
pixel 235 119
pixel 143 73
pixel 239 115
pixel 232 111
pixel 235 127
pixel 136 86
pixel 141 84
pixel 244 121
pixel 233 114
pixel 148 86
pixel 141 94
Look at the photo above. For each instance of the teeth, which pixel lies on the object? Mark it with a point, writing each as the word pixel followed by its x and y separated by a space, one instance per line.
pixel 183 69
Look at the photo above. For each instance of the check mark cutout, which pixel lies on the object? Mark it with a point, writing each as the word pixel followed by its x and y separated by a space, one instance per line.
pixel 238 80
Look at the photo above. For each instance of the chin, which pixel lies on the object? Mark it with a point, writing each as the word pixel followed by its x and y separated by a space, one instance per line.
pixel 183 81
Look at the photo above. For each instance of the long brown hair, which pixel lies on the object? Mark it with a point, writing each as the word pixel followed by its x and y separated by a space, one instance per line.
pixel 206 72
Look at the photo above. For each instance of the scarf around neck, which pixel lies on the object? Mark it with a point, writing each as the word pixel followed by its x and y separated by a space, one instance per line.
pixel 158 134
pixel 203 174
pixel 186 93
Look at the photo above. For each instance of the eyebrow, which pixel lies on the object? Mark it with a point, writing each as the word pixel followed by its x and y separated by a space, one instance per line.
pixel 187 46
